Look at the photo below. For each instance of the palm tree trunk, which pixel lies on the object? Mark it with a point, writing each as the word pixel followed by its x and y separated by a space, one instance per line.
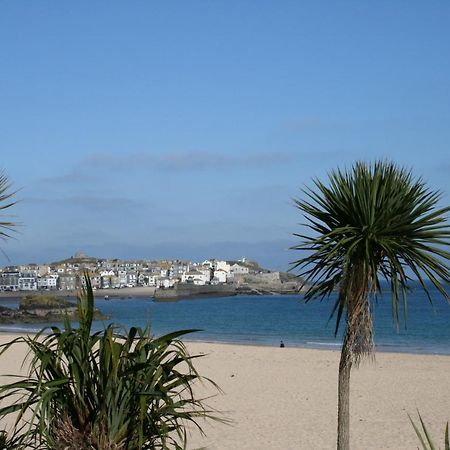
pixel 358 342
pixel 343 432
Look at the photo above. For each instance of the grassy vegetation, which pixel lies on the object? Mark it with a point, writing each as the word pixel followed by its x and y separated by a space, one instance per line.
pixel 106 390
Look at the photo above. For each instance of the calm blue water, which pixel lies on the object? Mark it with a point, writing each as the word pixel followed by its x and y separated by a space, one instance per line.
pixel 264 320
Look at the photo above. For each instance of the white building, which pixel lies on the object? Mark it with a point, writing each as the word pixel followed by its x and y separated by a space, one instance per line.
pixel 43 270
pixel 209 263
pixel 220 276
pixel 131 279
pixel 207 273
pixel 106 278
pixel 223 265
pixel 147 279
pixel 237 269
pixel 177 269
pixel 165 282
pixel 196 277
pixel 47 282
pixel 9 281
pixel 122 276
pixel 28 282
pixel 96 281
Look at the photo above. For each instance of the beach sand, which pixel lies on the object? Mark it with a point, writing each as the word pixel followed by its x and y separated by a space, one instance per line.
pixel 285 398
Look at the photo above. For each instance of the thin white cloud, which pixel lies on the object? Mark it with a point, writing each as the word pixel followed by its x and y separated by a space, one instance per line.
pixel 87 202
pixel 73 177
pixel 186 161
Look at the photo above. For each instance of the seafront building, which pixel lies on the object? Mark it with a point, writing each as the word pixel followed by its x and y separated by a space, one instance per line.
pixel 67 275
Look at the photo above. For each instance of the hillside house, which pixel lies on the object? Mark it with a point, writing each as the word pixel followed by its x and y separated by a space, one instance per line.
pixel 67 282
pixel 238 269
pixel 47 282
pixel 196 277
pixel 9 281
pixel 220 276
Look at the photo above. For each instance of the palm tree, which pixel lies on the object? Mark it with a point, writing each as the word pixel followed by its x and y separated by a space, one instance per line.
pixel 372 222
pixel 6 227
pixel 6 202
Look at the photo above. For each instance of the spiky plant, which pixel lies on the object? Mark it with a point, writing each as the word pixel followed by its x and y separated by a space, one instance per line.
pixel 6 195
pixel 106 390
pixel 425 439
pixel 372 222
pixel 13 441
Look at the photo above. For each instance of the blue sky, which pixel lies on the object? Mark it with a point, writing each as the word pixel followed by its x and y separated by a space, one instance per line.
pixel 183 129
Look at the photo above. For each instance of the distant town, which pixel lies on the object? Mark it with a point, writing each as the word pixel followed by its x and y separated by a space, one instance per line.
pixel 107 274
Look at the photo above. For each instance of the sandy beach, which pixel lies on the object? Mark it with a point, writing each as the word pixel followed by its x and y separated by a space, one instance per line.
pixel 285 399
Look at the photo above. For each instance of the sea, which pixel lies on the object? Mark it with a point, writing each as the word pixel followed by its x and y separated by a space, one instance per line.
pixel 268 319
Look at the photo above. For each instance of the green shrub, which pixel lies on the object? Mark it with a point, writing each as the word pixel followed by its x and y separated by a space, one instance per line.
pixel 16 442
pixel 107 390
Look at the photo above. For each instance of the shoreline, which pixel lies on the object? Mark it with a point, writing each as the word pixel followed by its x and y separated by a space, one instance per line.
pixel 138 292
pixel 318 347
pixel 335 348
pixel 162 295
pixel 294 334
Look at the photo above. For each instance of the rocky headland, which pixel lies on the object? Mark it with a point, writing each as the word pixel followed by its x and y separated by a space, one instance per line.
pixel 264 283
pixel 40 308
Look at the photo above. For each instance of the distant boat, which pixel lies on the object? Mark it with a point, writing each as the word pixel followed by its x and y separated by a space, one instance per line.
pixel 106 297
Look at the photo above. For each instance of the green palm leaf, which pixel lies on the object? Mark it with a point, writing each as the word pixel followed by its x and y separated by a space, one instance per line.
pixel 371 223
pixel 379 219
pixel 106 390
pixel 424 436
pixel 6 202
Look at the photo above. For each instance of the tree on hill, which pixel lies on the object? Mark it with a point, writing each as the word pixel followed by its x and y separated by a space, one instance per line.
pixel 369 223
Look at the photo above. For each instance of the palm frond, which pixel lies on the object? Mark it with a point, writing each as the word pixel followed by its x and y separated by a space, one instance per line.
pixel 379 218
pixel 121 390
pixel 6 202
